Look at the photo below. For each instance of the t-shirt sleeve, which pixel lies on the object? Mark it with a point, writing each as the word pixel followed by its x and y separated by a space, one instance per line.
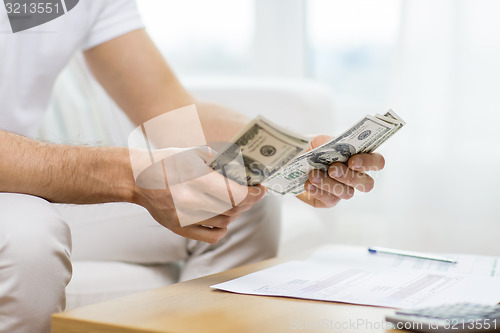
pixel 111 19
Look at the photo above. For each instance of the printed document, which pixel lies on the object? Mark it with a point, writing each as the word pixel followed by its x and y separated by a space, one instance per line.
pixel 352 275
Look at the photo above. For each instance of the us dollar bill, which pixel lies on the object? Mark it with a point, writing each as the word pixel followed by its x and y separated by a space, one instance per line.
pixel 264 153
pixel 364 136
pixel 389 117
pixel 259 150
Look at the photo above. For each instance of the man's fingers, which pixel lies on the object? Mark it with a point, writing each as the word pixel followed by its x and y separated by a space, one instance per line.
pixel 367 162
pixel 255 194
pixel 319 140
pixel 358 180
pixel 310 200
pixel 202 233
pixel 319 198
pixel 329 185
pixel 218 186
pixel 219 221
pixel 214 191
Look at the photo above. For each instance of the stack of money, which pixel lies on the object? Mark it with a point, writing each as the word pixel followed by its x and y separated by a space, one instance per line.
pixel 275 157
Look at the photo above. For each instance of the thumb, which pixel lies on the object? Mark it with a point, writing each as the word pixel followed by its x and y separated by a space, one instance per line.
pixel 319 140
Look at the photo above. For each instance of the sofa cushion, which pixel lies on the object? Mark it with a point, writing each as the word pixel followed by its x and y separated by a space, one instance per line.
pixel 97 281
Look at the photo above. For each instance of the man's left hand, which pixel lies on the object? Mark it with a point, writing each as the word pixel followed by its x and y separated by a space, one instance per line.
pixel 324 190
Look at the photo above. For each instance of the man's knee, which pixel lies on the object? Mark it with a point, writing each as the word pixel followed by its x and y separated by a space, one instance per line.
pixel 31 226
pixel 35 245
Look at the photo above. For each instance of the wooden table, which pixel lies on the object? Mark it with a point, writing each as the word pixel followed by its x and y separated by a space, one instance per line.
pixel 195 308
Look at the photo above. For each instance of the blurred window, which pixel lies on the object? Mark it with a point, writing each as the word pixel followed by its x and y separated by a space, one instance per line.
pixel 351 46
pixel 347 45
pixel 200 37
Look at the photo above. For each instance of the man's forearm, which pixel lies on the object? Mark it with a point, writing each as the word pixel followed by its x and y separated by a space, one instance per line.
pixel 136 76
pixel 65 174
pixel 219 123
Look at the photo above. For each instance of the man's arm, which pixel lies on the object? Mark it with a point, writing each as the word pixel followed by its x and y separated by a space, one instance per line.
pixel 89 175
pixel 134 73
pixel 64 174
pixel 85 175
pixel 136 76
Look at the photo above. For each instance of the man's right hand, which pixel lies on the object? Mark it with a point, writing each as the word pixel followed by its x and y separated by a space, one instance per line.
pixel 183 194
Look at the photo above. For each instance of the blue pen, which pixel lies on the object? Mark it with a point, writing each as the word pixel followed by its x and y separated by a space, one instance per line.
pixel 419 255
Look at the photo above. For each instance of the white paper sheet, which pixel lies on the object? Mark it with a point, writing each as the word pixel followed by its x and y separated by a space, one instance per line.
pixel 350 276
pixel 358 256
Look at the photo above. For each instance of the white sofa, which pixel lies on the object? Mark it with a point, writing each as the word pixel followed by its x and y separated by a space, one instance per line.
pixel 82 113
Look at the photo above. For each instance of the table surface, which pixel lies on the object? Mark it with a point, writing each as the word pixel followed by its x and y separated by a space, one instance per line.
pixel 193 306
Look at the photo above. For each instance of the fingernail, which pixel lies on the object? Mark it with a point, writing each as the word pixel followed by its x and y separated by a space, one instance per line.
pixel 357 162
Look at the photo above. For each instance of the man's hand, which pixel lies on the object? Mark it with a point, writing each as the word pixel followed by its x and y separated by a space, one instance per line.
pixel 186 196
pixel 136 76
pixel 325 190
pixel 161 206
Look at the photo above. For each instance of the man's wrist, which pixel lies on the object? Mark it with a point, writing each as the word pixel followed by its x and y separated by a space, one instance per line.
pixel 125 187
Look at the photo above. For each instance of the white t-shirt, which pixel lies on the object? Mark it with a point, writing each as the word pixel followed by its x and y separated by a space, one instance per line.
pixel 31 60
